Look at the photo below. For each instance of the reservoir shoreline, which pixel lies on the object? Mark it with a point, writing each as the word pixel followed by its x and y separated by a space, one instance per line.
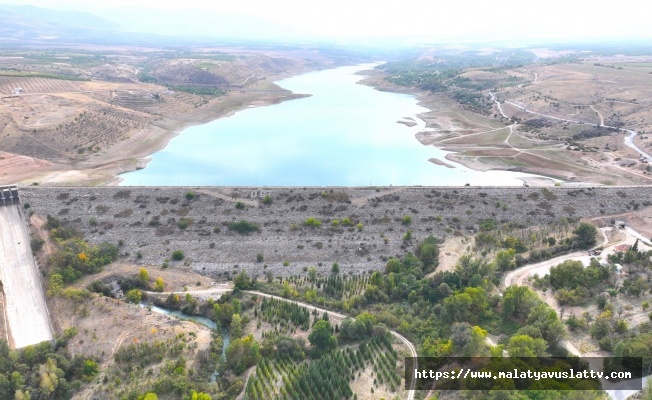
pixel 171 129
pixel 345 135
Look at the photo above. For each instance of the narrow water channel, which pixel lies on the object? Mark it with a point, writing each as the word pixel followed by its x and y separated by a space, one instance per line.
pixel 226 338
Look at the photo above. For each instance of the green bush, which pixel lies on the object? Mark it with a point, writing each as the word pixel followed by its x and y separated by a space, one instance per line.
pixel 134 296
pixel 190 195
pixel 178 255
pixel 36 244
pixel 346 222
pixel 312 222
pixel 243 227
pixel 240 205
pixel 267 199
pixel 184 223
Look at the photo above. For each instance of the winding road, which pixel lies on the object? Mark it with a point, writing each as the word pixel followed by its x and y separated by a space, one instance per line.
pixel 629 140
pixel 520 276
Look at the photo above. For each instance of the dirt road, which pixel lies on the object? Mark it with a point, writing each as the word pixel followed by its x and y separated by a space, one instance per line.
pixel 27 314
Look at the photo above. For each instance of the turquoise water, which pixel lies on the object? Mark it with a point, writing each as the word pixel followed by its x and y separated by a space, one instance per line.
pixel 344 134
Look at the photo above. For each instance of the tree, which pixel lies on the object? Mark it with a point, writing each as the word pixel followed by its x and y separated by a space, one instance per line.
pixel 242 353
pixel 335 269
pixel 545 318
pixel 242 281
pixel 428 252
pixel 322 338
pixel 200 396
pixel 586 234
pixel 143 275
pixel 148 396
pixel 236 326
pixel 468 266
pixel 468 340
pixel 134 296
pixel 506 260
pixel 515 243
pixel 56 285
pixel 159 285
pixel 526 346
pixel 50 377
pixel 312 273
pixel 90 368
pixel 569 275
pixel 518 301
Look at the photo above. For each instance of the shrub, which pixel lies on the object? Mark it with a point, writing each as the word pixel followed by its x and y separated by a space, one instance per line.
pixel 159 285
pixel 347 222
pixel 190 195
pixel 267 199
pixel 240 205
pixel 178 255
pixel 407 220
pixel 36 244
pixel 312 222
pixel 243 227
pixel 260 257
pixel 243 281
pixel 335 268
pixel 184 223
pixel 134 296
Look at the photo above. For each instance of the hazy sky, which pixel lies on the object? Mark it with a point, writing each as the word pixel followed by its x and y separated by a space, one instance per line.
pixel 500 19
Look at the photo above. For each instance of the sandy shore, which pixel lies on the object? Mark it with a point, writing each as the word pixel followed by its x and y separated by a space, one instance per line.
pixel 453 129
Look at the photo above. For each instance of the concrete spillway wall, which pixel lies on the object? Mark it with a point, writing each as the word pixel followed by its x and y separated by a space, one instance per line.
pixel 27 320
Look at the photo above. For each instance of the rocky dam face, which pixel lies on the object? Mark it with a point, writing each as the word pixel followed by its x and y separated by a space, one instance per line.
pixel 222 230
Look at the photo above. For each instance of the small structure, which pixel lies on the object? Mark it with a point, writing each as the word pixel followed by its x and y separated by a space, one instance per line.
pixel 18 90
pixel 8 195
pixel 619 224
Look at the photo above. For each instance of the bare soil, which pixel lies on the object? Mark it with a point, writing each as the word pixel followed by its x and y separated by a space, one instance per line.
pixel 60 132
pixel 581 92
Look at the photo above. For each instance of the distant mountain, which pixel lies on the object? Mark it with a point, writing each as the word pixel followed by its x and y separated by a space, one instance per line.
pixel 29 22
pixel 136 25
pixel 198 23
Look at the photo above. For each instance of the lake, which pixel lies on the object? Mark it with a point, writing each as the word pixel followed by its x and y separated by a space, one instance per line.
pixel 344 134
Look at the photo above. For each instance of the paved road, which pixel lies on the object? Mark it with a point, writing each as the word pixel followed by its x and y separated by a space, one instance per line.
pixel 27 314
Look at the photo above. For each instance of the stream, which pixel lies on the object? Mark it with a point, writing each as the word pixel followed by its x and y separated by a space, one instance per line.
pixel 198 319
